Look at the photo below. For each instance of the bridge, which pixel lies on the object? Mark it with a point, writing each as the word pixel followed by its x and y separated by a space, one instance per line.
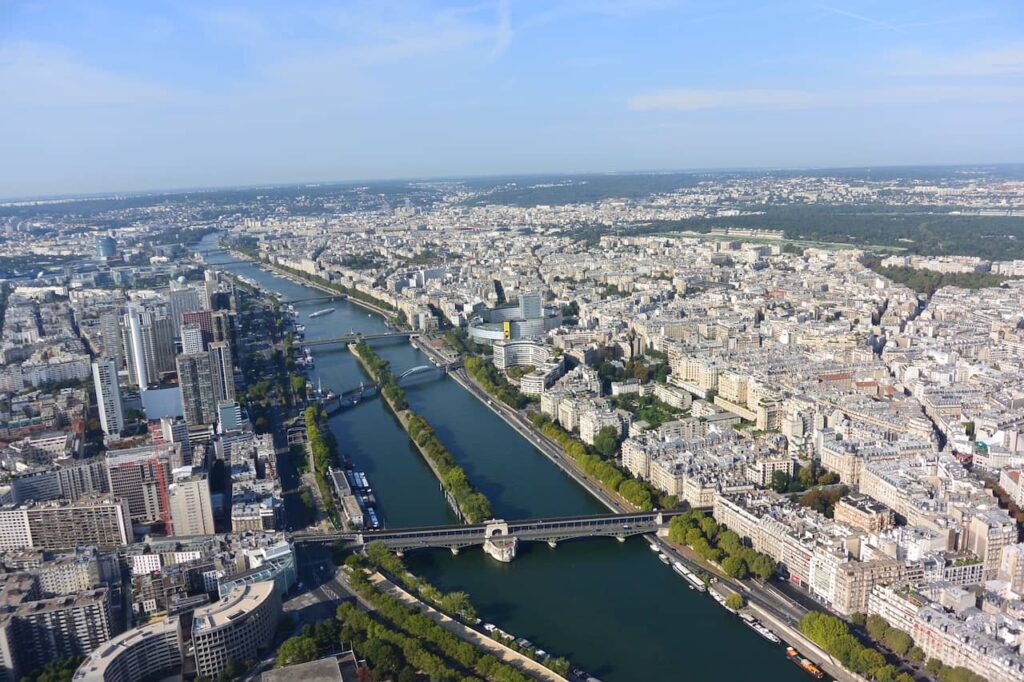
pixel 355 337
pixel 492 533
pixel 357 393
pixel 307 299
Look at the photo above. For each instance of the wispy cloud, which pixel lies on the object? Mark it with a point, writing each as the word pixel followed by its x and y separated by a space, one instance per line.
pixel 878 23
pixel 503 34
pixel 36 75
pixel 1004 61
pixel 696 100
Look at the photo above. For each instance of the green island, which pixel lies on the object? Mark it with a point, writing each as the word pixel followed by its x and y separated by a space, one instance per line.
pixel 323 451
pixel 473 505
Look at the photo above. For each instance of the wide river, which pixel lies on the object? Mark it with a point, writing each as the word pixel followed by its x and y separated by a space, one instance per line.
pixel 611 608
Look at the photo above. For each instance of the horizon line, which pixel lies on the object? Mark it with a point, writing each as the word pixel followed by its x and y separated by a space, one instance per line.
pixel 7 202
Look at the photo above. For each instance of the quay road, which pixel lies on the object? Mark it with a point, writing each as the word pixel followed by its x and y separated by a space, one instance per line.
pixel 783 612
pixel 456 537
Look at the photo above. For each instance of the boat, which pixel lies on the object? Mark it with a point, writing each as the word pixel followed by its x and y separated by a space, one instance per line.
pixel 760 628
pixel 300 328
pixel 321 313
pixel 808 667
pixel 663 559
pixel 654 547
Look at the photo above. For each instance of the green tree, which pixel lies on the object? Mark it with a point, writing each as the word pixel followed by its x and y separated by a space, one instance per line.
pixel 876 627
pixel 915 654
pixel 780 481
pixel 734 601
pixel 735 567
pixel 298 649
pixel 898 641
pixel 868 661
pixel 762 565
pixel 606 440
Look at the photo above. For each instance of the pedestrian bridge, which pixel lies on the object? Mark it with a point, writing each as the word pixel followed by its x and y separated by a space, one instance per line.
pixel 455 538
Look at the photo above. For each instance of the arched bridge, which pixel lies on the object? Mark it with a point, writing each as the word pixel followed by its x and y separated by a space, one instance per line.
pixel 455 538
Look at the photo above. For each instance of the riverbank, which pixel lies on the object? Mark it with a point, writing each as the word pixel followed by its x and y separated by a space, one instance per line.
pixel 305 279
pixel 470 504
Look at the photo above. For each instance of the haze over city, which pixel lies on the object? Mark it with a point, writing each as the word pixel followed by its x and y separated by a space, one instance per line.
pixel 507 341
pixel 123 96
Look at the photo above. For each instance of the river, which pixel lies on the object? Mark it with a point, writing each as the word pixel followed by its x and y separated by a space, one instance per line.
pixel 611 608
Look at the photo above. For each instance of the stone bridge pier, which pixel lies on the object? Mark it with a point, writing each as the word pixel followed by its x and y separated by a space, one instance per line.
pixel 498 543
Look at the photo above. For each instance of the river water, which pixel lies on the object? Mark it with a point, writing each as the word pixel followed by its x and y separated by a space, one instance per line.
pixel 611 608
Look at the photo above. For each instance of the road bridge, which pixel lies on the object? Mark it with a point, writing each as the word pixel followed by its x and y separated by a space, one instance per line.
pixel 307 299
pixel 455 538
pixel 356 337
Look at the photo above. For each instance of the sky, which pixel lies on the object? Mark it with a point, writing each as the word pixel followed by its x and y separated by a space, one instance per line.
pixel 128 96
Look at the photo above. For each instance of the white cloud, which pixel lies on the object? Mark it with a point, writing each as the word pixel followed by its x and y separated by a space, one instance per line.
pixel 696 100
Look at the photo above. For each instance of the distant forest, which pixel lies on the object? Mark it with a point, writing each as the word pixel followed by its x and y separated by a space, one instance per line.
pixel 869 227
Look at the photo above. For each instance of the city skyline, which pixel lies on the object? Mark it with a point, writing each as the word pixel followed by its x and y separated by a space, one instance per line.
pixel 117 98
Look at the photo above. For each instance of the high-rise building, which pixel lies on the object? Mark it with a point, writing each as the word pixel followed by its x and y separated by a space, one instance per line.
pixel 99 520
pixel 142 476
pixel 529 306
pixel 134 349
pixel 204 319
pixel 191 507
pixel 106 247
pixel 60 627
pixel 224 329
pixel 110 329
pixel 198 399
pixel 175 430
pixel 149 346
pixel 223 371
pixel 230 417
pixel 108 396
pixel 182 300
pixel 192 339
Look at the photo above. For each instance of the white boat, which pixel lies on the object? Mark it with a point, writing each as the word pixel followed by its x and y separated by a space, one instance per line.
pixel 758 627
pixel 663 559
pixel 654 547
pixel 321 313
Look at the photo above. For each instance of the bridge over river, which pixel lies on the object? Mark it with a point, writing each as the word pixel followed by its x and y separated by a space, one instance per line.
pixel 499 538
pixel 355 337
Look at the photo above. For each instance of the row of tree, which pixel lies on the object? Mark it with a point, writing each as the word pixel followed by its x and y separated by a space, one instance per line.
pixel 453 603
pixel 833 635
pixel 323 451
pixel 425 644
pixel 381 371
pixel 474 505
pixel 637 493
pixel 902 644
pixel 716 543
pixel 488 376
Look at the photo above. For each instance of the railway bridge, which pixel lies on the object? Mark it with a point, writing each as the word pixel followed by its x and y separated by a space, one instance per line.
pixel 499 536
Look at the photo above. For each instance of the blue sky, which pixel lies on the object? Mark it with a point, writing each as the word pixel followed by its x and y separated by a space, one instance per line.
pixel 103 96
